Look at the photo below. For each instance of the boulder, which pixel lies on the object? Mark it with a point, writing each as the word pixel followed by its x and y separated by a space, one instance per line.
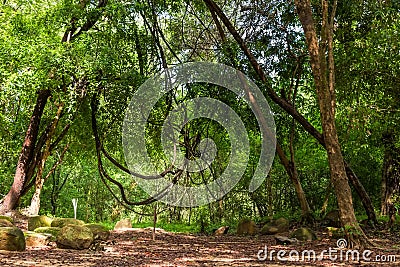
pixel 283 240
pixel 33 239
pixel 99 231
pixel 12 239
pixel 304 234
pixel 61 222
pixel 223 230
pixel 74 237
pixel 247 227
pixel 6 223
pixel 39 221
pixel 123 224
pixel 54 231
pixel 7 218
pixel 266 219
pixel 275 227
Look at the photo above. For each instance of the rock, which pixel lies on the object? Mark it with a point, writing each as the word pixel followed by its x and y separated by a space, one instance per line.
pixel 3 217
pixel 269 229
pixel 61 222
pixel 332 218
pixel 39 221
pixel 283 240
pixel 99 231
pixel 266 219
pixel 123 224
pixel 33 239
pixel 247 227
pixel 12 239
pixel 6 223
pixel 304 234
pixel 275 226
pixel 74 237
pixel 54 231
pixel 223 230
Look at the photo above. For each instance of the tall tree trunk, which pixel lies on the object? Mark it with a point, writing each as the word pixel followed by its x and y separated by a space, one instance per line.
pixel 12 198
pixel 35 201
pixel 322 69
pixel 390 177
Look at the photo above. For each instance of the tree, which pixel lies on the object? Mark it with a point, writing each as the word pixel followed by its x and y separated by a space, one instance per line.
pixel 32 157
pixel 322 65
pixel 10 201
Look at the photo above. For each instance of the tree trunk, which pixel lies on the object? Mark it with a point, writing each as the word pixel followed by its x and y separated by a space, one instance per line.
pixel 326 199
pixel 322 68
pixel 12 198
pixel 290 167
pixel 35 201
pixel 292 172
pixel 390 177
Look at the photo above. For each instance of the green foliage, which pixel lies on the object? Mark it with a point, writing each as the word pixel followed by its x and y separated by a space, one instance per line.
pixel 124 48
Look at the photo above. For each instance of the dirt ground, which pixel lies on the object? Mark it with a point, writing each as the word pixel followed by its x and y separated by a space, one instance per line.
pixel 136 248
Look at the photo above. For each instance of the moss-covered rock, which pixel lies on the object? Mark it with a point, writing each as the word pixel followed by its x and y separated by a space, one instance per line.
pixel 246 227
pixel 99 231
pixel 5 223
pixel 275 227
pixel 12 239
pixel 75 237
pixel 54 231
pixel 11 220
pixel 123 224
pixel 33 239
pixel 304 234
pixel 39 221
pixel 61 222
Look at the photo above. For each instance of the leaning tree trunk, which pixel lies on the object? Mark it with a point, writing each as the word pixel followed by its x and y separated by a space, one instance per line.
pixel 323 71
pixel 10 201
pixel 35 201
pixel 290 167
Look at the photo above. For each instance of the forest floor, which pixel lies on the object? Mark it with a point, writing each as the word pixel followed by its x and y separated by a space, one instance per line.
pixel 137 248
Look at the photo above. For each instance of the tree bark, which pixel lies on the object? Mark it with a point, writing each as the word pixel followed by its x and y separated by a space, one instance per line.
pixel 11 200
pixel 326 95
pixel 35 201
pixel 390 177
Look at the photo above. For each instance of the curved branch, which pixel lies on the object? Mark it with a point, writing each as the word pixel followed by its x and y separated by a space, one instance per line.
pixel 105 177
